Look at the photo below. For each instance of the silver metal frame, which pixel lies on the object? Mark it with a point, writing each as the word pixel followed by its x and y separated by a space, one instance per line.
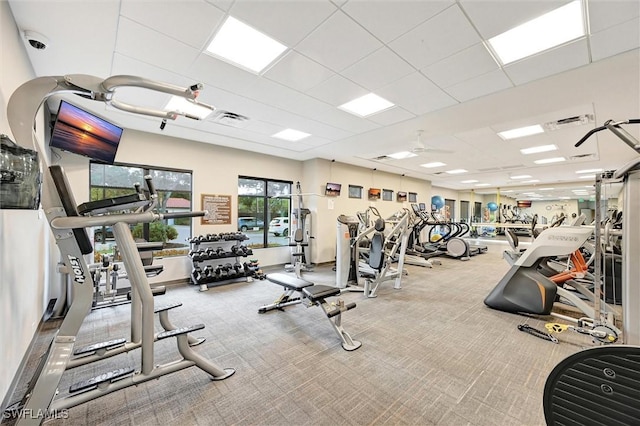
pixel 22 109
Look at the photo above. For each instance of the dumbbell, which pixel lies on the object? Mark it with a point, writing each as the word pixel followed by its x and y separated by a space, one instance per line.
pixel 208 273
pixel 197 275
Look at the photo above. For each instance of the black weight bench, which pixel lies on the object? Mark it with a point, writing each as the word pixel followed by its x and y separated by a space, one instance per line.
pixel 298 290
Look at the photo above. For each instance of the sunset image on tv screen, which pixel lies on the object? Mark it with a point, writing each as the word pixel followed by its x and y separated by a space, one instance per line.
pixel 82 133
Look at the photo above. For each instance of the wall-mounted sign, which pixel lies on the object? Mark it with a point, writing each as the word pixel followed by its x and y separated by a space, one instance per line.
pixel 219 208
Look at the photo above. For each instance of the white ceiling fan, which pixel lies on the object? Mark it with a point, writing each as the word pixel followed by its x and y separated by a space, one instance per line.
pixel 421 148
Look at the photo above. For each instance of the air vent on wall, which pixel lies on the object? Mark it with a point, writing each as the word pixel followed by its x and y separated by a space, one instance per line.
pixel 577 120
pixel 228 118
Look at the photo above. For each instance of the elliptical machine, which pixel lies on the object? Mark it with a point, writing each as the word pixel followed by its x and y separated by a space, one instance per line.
pixel 524 289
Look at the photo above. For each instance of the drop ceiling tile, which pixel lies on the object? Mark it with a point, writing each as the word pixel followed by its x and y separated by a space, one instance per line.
pixel 277 95
pixel 224 5
pixel 216 72
pixel 285 20
pixel 389 20
pixel 416 94
pixel 337 90
pixel 482 85
pixel 443 35
pixel 493 17
pixel 150 46
pixel 345 121
pixel 605 13
pixel 471 62
pixel 338 42
pixel 391 116
pixel 554 61
pixel 62 55
pixel 298 72
pixel 616 39
pixel 191 22
pixel 378 69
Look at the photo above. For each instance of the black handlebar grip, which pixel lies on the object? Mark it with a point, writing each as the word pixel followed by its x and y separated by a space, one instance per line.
pixel 149 181
pixel 177 215
pixel 338 311
pixel 634 121
pixel 588 135
pixel 138 188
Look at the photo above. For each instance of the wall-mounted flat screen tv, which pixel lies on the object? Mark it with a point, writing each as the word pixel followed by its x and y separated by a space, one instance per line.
pixel 332 189
pixel 80 132
pixel 523 204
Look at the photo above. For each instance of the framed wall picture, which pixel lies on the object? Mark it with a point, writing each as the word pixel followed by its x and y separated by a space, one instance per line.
pixel 374 194
pixel 387 195
pixel 401 196
pixel 413 197
pixel 355 191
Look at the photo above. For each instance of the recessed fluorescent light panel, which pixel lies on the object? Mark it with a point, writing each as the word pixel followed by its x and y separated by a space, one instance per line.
pixel 587 177
pixel 434 164
pixel 291 135
pixel 521 177
pixel 483 184
pixel 546 189
pixel 538 149
pixel 531 181
pixel 549 30
pixel 589 171
pixel 180 104
pixel 456 171
pixel 244 46
pixel 521 132
pixel 366 105
pixel 469 181
pixel 402 155
pixel 550 160
pixel 564 198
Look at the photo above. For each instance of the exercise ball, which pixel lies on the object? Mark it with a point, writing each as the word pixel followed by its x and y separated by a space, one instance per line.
pixel 437 202
pixel 492 206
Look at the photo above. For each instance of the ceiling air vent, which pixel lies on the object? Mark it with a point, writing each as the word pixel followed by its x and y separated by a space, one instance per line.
pixel 228 118
pixel 489 169
pixel 381 158
pixel 581 156
pixel 574 121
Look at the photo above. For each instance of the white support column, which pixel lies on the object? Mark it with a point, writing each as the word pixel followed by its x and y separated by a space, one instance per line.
pixel 631 265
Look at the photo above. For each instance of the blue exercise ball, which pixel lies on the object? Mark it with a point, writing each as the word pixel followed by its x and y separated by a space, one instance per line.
pixel 492 206
pixel 437 202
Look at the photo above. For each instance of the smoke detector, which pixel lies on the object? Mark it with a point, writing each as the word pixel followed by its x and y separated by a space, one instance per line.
pixel 36 40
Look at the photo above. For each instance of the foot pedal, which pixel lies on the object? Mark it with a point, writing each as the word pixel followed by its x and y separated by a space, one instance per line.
pixel 110 344
pixel 167 307
pixel 106 377
pixel 179 331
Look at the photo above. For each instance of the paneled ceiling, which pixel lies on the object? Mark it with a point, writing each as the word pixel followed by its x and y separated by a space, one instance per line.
pixel 427 57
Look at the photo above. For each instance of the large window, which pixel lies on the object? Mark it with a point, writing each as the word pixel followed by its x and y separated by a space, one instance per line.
pixel 174 195
pixel 264 208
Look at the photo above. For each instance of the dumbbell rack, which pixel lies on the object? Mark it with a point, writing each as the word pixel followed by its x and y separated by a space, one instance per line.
pixel 214 258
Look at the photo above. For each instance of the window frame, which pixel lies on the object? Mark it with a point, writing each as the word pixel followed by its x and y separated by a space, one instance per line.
pixel 265 205
pixel 147 170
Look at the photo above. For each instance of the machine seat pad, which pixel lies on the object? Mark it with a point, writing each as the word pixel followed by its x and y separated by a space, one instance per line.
pixel 318 292
pixel 288 282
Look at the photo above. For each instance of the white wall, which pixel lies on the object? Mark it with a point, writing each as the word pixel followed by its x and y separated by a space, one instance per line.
pixel 325 210
pixel 24 234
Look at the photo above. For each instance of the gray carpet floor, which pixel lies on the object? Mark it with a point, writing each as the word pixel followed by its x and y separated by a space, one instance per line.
pixel 432 354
